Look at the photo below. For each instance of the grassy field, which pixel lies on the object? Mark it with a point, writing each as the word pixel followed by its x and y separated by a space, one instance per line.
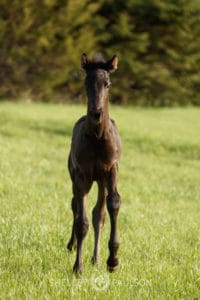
pixel 159 221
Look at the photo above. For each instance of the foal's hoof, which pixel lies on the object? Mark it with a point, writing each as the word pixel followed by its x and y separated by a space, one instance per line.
pixel 112 269
pixel 112 265
pixel 77 269
pixel 95 261
pixel 71 246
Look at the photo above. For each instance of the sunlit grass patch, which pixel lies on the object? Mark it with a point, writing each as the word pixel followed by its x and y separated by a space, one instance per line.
pixel 159 219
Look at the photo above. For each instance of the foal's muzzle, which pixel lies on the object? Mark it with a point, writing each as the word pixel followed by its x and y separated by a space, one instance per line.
pixel 96 115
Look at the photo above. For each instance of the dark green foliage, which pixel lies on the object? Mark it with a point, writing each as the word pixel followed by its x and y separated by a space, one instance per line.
pixel 159 45
pixel 42 42
pixel 157 42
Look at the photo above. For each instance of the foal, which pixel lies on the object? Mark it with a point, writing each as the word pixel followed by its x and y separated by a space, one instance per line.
pixel 95 151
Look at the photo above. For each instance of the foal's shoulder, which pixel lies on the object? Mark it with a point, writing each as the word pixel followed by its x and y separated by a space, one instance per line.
pixel 79 126
pixel 80 121
pixel 79 129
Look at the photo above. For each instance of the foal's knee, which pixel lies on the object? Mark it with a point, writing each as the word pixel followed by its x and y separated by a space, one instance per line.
pixel 81 227
pixel 113 203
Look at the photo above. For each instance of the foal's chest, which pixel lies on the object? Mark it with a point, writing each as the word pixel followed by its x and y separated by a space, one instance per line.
pixel 105 154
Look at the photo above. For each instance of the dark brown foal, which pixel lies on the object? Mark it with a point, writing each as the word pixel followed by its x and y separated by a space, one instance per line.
pixel 94 155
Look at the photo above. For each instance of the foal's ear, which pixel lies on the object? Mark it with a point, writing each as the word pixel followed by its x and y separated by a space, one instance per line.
pixel 113 64
pixel 84 60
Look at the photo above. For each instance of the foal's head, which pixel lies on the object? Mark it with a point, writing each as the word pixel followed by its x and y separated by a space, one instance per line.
pixel 97 85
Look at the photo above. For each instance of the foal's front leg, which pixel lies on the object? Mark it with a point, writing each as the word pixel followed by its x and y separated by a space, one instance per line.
pixel 81 229
pixel 98 217
pixel 72 242
pixel 81 223
pixel 113 205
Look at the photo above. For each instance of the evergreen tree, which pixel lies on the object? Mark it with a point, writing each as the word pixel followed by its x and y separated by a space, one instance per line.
pixel 157 42
pixel 42 42
pixel 159 51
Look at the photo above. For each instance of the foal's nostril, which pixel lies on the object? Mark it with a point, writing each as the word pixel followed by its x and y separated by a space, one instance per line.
pixel 97 115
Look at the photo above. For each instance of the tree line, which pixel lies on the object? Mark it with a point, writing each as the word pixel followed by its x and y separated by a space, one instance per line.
pixel 157 43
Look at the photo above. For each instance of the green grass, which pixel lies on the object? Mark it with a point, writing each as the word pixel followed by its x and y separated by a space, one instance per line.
pixel 159 221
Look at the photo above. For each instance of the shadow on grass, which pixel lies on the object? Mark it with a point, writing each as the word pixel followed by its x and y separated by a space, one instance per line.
pixel 161 147
pixel 13 127
pixel 53 130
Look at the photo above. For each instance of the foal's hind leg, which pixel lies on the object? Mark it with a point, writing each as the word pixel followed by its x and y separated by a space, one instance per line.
pixel 113 204
pixel 72 242
pixel 98 217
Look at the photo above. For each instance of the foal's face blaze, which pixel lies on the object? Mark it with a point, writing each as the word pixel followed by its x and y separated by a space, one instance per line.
pixel 97 85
